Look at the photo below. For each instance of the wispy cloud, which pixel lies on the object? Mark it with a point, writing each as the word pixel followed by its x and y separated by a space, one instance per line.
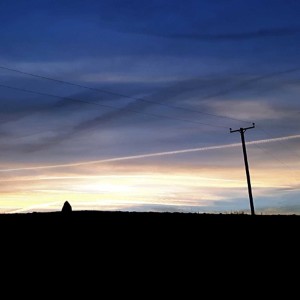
pixel 227 36
pixel 133 157
pixel 248 109
pixel 83 117
pixel 236 36
pixel 139 176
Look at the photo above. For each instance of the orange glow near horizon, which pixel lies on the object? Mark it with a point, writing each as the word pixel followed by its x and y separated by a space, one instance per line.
pixel 125 186
pixel 124 190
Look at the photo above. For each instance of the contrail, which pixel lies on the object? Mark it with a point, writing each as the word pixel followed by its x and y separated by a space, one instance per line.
pixel 118 176
pixel 284 138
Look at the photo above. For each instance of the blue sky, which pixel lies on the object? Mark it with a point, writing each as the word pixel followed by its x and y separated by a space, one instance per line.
pixel 223 63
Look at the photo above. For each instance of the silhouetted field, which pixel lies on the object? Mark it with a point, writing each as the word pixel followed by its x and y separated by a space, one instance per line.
pixel 147 225
pixel 151 240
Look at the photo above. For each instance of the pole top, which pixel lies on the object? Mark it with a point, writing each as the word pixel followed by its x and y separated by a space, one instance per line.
pixel 242 129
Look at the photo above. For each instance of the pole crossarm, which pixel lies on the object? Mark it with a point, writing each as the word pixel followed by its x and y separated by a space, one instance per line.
pixel 242 131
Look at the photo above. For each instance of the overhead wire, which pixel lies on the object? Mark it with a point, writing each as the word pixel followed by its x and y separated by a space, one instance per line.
pixel 155 154
pixel 267 134
pixel 281 162
pixel 225 91
pixel 141 99
pixel 246 82
pixel 249 81
pixel 122 95
pixel 154 102
pixel 108 106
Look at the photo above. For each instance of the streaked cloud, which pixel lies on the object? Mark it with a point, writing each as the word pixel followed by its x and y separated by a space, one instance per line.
pixel 231 36
pixel 133 157
pixel 250 109
pixel 190 64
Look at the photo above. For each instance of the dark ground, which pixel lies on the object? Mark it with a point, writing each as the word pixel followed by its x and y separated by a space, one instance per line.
pixel 151 245
pixel 155 227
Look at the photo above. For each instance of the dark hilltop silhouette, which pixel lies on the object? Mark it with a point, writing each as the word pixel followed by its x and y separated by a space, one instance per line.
pixel 116 231
pixel 136 223
pixel 67 208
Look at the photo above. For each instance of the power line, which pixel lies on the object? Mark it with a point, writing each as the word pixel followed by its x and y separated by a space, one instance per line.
pixel 249 81
pixel 269 153
pixel 123 95
pixel 225 91
pixel 106 106
pixel 155 154
pixel 144 100
pixel 271 136
pixel 272 154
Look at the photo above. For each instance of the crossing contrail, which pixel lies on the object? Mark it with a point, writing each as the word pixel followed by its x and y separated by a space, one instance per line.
pixel 144 176
pixel 132 157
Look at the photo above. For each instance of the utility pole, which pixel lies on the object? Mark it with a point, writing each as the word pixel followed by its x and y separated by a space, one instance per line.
pixel 242 131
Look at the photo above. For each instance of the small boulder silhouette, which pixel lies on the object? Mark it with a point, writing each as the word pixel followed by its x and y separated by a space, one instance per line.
pixel 67 208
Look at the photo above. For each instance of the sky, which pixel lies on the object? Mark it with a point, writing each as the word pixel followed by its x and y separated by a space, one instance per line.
pixel 127 104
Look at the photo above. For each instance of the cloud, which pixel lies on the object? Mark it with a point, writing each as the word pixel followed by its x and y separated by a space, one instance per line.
pixel 233 36
pixel 175 152
pixel 168 97
pixel 191 94
pixel 248 109
pixel 125 109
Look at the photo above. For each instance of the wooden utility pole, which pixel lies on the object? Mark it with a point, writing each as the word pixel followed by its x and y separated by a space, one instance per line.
pixel 242 132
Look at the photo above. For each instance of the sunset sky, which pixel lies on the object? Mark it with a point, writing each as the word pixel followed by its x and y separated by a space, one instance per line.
pixel 127 105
